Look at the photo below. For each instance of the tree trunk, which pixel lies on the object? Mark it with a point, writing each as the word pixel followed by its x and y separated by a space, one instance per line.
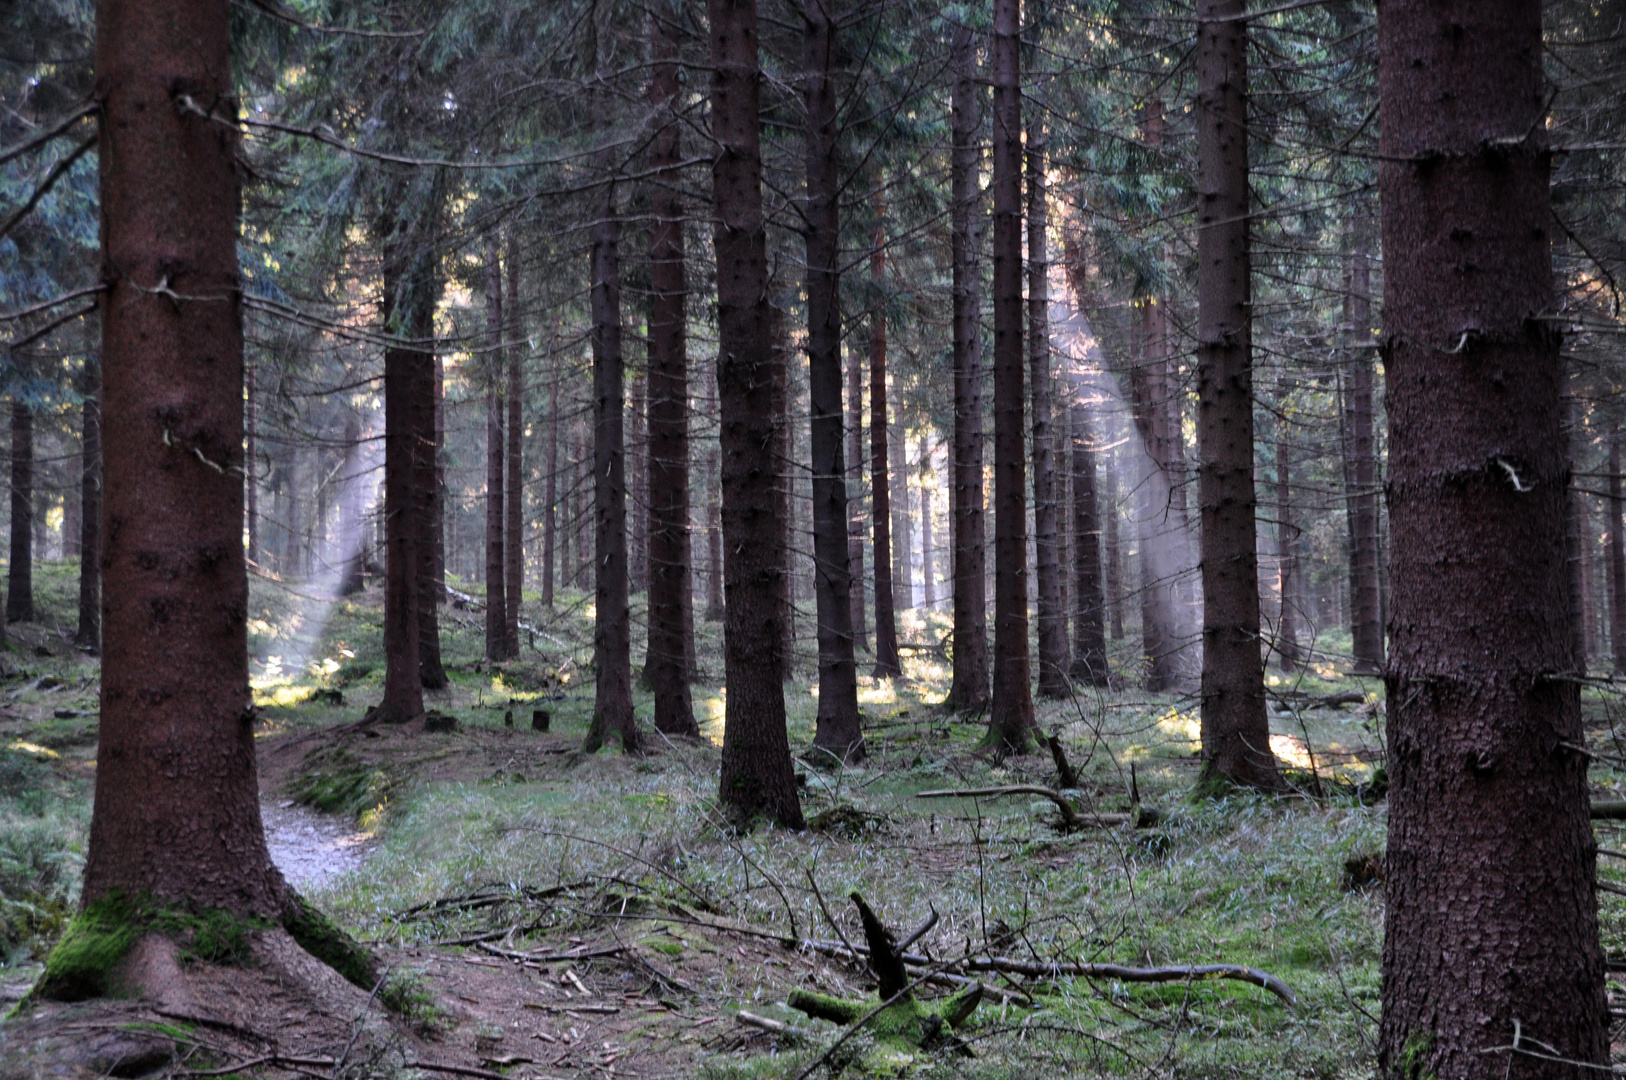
pixel 550 512
pixel 496 579
pixel 880 497
pixel 1367 617
pixel 20 574
pixel 1011 723
pixel 837 728
pixel 903 540
pixel 714 540
pixel 1574 539
pixel 1287 539
pixel 293 555
pixel 928 571
pixel 779 451
pixel 1617 560
pixel 1490 859
pixel 671 614
pixel 968 689
pixel 431 476
pixel 757 775
pixel 1235 732
pixel 1047 511
pixel 1111 541
pixel 251 466
pixel 855 504
pixel 612 629
pixel 177 812
pixel 89 633
pixel 514 484
pixel 1089 605
pixel 352 528
pixel 409 421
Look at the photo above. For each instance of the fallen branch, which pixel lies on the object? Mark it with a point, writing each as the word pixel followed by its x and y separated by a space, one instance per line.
pixel 1070 817
pixel 456 1070
pixel 550 958
pixel 956 970
pixel 1609 810
pixel 768 1024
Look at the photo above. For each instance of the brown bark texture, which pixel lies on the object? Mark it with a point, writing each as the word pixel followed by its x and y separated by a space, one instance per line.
pixel 928 570
pixel 612 619
pixel 88 635
pixel 968 688
pixel 855 502
pixel 1490 921
pixel 550 509
pixel 251 457
pixel 1089 601
pixel 757 777
pixel 177 813
pixel 1617 559
pixel 1235 731
pixel 409 428
pixel 496 579
pixel 431 498
pixel 903 539
pixel 1048 491
pixel 671 615
pixel 513 547
pixel 880 473
pixel 1011 722
pixel 1287 545
pixel 837 729
pixel 20 572
pixel 1366 623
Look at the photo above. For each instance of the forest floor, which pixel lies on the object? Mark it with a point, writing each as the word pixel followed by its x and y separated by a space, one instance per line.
pixel 550 914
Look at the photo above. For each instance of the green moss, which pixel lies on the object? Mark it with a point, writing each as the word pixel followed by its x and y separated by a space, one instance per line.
pixel 337 782
pixel 212 935
pixel 92 946
pixel 317 935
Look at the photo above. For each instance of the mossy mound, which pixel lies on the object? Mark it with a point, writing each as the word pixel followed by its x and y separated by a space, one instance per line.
pixel 82 963
pixel 335 781
pixel 906 1023
pixel 317 935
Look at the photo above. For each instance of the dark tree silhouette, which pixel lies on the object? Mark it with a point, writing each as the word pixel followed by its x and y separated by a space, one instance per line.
pixel 757 776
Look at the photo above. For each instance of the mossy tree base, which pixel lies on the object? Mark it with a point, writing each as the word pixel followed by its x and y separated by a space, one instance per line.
pixel 84 962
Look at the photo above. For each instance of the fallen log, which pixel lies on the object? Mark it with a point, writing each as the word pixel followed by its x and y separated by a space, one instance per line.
pixel 1609 810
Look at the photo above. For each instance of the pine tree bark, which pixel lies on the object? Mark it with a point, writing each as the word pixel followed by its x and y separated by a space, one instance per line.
pixel 88 636
pixel 714 539
pixel 20 573
pixel 496 578
pixel 612 628
pixel 1366 607
pixel 880 498
pixel 837 728
pixel 251 458
pixel 1011 723
pixel 928 569
pixel 1235 732
pixel 968 688
pixel 855 501
pixel 1047 498
pixel 779 452
pixel 1617 560
pixel 352 529
pixel 431 494
pixel 513 550
pixel 757 775
pixel 550 511
pixel 671 612
pixel 1287 539
pixel 1089 603
pixel 1490 869
pixel 1574 541
pixel 903 541
pixel 409 428
pixel 177 813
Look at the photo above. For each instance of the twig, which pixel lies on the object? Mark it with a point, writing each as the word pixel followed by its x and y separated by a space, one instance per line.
pixel 829 918
pixel 362 1016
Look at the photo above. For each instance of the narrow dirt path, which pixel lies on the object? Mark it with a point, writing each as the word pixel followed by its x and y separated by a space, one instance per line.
pixel 312 849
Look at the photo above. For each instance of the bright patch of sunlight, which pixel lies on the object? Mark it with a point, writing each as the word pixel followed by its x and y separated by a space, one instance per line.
pixel 1181 725
pixel 283 695
pixel 261 628
pixel 1290 750
pixel 711 725
pixel 1273 680
pixel 879 692
pixel 325 666
pixel 32 748
pixel 1326 671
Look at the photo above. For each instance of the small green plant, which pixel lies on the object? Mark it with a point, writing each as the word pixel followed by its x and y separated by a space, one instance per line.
pixel 407 995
